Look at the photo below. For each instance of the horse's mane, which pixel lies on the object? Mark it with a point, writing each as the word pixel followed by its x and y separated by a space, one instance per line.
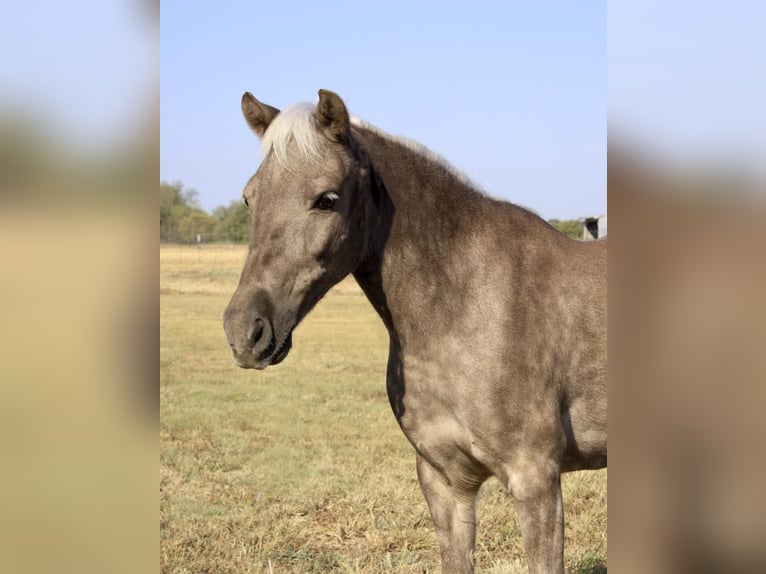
pixel 419 149
pixel 297 124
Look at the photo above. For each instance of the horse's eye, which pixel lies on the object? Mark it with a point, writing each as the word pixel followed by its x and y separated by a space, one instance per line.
pixel 326 201
pixel 247 203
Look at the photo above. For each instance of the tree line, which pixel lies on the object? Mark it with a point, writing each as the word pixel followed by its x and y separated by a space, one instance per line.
pixel 182 220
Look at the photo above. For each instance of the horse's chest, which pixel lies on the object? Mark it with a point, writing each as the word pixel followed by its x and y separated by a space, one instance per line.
pixel 435 411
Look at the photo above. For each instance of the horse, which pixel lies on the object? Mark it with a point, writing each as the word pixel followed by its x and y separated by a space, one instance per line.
pixel 497 359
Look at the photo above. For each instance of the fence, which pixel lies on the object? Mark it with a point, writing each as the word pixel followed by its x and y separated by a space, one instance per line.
pixel 173 237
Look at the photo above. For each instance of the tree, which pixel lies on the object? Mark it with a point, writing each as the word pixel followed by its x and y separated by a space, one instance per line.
pixel 233 222
pixel 176 203
pixel 181 218
pixel 570 227
pixel 195 223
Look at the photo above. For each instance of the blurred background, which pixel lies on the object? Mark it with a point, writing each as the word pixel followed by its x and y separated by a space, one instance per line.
pixel 687 274
pixel 79 162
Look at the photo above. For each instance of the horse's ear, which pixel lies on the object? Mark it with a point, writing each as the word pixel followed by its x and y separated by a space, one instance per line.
pixel 257 114
pixel 332 117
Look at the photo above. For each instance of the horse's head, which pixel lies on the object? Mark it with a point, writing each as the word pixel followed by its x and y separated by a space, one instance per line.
pixel 310 206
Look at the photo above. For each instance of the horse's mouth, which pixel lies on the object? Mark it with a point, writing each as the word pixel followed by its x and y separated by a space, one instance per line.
pixel 271 355
pixel 282 351
pixel 275 353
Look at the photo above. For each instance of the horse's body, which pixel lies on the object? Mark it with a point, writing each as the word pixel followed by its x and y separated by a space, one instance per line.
pixel 497 322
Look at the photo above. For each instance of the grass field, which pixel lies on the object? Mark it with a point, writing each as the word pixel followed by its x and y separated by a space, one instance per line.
pixel 302 467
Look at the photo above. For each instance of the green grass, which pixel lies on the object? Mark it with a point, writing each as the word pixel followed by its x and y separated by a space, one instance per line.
pixel 302 467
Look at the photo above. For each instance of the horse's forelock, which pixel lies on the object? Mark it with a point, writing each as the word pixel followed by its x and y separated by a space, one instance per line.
pixel 296 124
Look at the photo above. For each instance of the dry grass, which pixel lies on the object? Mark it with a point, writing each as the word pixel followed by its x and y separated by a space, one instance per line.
pixel 302 468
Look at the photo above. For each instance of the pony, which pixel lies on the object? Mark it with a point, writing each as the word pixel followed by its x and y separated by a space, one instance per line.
pixel 497 322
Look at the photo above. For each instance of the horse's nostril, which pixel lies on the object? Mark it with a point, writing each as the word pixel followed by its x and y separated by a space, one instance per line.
pixel 257 331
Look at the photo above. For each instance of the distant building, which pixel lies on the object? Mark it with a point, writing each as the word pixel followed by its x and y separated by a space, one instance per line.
pixel 594 227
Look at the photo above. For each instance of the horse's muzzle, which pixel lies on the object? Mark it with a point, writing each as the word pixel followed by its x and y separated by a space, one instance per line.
pixel 253 340
pixel 250 337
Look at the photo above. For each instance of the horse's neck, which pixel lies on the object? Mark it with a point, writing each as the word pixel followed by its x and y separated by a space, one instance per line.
pixel 414 175
pixel 426 209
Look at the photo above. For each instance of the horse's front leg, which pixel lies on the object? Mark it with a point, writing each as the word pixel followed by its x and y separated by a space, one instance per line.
pixel 541 516
pixel 453 510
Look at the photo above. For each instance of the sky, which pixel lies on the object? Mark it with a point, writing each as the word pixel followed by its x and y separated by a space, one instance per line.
pixel 514 94
pixel 84 69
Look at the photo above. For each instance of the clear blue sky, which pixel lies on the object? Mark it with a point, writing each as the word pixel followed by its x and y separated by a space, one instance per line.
pixel 512 93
